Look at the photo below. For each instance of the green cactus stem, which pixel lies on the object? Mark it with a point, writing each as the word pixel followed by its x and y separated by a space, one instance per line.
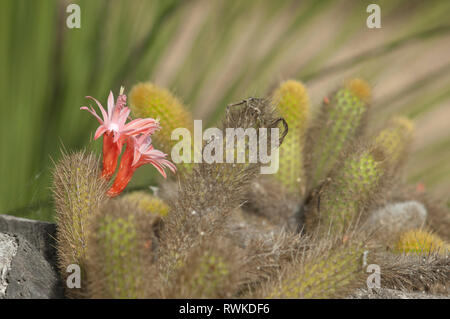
pixel 292 102
pixel 78 191
pixel 349 190
pixel 149 100
pixel 120 250
pixel 337 125
pixel 330 274
pixel 395 138
pixel 147 203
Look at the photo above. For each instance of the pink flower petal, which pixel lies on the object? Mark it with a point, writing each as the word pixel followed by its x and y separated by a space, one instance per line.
pixel 141 126
pixel 100 131
pixel 110 104
pixel 91 110
pixel 158 167
pixel 136 157
pixel 123 116
pixel 104 114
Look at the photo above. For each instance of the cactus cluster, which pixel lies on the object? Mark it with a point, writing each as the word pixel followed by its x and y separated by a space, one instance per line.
pixel 342 169
pixel 223 231
pixel 338 124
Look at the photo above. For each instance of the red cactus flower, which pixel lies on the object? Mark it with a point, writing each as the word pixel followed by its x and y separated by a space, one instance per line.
pixel 111 153
pixel 115 130
pixel 138 152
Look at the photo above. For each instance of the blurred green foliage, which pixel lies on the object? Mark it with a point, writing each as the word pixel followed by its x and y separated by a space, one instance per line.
pixel 210 53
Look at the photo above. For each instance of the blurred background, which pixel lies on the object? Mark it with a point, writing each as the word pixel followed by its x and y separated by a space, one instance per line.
pixel 211 53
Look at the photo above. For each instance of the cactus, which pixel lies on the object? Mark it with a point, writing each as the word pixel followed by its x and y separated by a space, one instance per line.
pixel 349 190
pixel 194 245
pixel 329 274
pixel 120 252
pixel 149 100
pixel 211 273
pixel 395 138
pixel 337 126
pixel 292 102
pixel 211 269
pixel 421 242
pixel 420 272
pixel 147 203
pixel 207 276
pixel 210 192
pixel 78 191
pixel 210 266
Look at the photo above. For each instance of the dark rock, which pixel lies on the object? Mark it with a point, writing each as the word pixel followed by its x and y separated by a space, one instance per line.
pixel 25 272
pixel 28 259
pixel 40 234
pixel 8 249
